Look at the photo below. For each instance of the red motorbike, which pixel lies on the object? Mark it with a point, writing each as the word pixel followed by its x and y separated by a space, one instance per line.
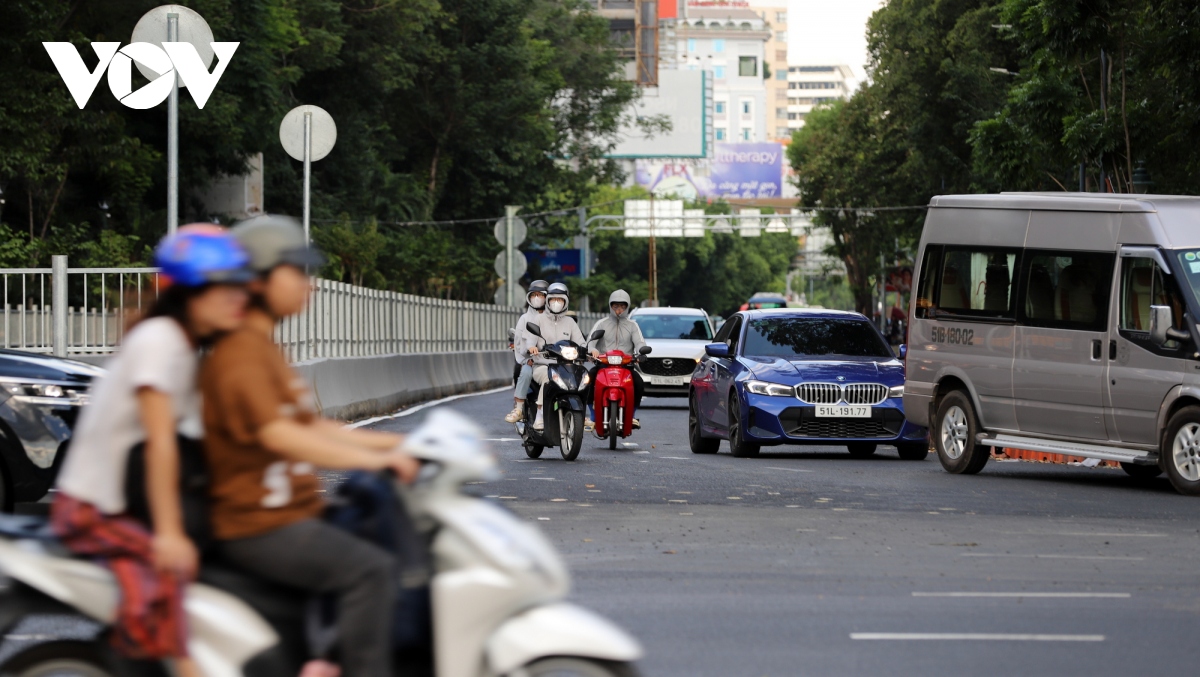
pixel 613 399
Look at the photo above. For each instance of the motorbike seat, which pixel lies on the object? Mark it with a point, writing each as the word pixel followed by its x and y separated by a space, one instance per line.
pixel 33 528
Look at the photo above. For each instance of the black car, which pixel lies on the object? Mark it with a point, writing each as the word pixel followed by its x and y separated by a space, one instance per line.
pixel 40 399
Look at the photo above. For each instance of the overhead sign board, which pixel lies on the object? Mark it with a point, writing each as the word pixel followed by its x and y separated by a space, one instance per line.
pixel 737 170
pixel 660 218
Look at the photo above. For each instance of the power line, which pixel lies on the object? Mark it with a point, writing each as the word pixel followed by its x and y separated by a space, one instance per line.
pixel 567 211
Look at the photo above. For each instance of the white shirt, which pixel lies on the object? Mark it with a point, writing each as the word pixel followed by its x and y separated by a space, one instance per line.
pixel 155 354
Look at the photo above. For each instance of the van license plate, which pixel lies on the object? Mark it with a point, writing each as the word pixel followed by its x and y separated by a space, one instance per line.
pixel 825 411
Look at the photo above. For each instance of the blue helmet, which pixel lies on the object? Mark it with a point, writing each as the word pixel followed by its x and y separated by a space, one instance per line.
pixel 202 253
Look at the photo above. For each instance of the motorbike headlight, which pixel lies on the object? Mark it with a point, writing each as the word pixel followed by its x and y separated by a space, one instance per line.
pixel 583 382
pixel 771 389
pixel 559 382
pixel 614 359
pixel 896 391
pixel 570 353
pixel 46 393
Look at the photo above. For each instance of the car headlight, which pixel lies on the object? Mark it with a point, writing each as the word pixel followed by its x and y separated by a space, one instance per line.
pixel 46 393
pixel 570 353
pixel 614 359
pixel 772 389
pixel 896 391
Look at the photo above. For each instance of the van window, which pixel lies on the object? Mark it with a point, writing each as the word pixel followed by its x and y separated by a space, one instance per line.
pixel 977 281
pixel 1143 284
pixel 929 270
pixel 1067 290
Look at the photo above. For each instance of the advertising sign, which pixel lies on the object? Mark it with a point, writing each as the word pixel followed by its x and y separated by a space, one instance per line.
pixel 553 265
pixel 737 170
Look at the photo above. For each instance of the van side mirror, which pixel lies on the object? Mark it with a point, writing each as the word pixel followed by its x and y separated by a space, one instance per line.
pixel 533 329
pixel 597 335
pixel 1160 321
pixel 902 351
pixel 717 350
pixel 645 350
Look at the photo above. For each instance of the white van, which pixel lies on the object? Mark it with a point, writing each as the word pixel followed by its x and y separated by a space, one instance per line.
pixel 1062 323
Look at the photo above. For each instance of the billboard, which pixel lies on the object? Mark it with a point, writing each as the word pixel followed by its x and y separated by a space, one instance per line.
pixel 553 265
pixel 685 99
pixel 737 170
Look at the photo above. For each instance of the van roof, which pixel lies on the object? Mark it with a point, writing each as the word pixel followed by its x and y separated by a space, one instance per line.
pixel 1091 202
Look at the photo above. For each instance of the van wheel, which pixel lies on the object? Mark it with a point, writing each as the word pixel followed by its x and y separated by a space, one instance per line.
pixel 1141 472
pixel 1181 451
pixel 954 435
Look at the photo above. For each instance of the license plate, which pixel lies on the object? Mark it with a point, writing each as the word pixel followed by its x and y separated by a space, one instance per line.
pixel 826 411
pixel 672 380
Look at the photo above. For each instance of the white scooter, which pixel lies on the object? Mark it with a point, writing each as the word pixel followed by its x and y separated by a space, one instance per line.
pixel 496 592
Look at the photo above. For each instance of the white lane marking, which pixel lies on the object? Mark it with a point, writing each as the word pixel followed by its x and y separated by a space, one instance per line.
pixel 1049 595
pixel 788 469
pixel 1004 554
pixel 426 405
pixel 675 458
pixel 1080 533
pixel 548 479
pixel 502 439
pixel 943 636
pixel 30 638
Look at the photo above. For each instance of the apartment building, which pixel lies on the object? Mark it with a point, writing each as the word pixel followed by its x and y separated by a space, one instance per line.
pixel 811 86
pixel 731 42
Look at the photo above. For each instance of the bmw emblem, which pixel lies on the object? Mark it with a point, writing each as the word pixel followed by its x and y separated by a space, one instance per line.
pixel 668 363
pixel 841 378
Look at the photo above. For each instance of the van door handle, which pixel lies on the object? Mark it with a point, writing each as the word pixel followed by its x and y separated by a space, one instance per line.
pixel 1097 346
pixel 1112 351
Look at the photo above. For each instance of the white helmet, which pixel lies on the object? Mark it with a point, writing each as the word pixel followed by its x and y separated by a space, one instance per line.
pixel 557 298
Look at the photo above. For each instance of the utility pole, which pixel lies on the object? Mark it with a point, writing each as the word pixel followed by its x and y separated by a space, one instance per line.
pixel 173 136
pixel 653 273
pixel 585 256
pixel 510 284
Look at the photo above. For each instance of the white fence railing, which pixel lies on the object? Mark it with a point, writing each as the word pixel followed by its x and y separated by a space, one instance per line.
pixel 342 320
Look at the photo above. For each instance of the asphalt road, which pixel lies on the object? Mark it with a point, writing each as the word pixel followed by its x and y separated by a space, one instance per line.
pixel 807 562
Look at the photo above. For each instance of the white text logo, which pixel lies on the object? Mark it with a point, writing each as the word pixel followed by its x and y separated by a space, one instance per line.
pixel 167 60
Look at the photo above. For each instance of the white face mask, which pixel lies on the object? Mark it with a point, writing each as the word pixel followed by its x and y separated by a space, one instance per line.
pixel 557 305
pixel 537 301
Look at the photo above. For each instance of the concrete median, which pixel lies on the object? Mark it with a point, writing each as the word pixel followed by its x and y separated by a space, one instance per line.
pixel 350 388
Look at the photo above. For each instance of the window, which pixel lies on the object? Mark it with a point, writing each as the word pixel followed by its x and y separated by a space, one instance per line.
pixel 720 107
pixel 1067 290
pixel 719 72
pixel 791 338
pixel 782 131
pixel 792 116
pixel 746 134
pixel 781 55
pixel 746 107
pixel 781 95
pixel 929 271
pixel 780 74
pixel 685 327
pixel 720 135
pixel 748 66
pixel 780 17
pixel 976 281
pixel 793 85
pixel 691 45
pixel 781 36
pixel 718 45
pixel 780 113
pixel 728 333
pixel 1143 285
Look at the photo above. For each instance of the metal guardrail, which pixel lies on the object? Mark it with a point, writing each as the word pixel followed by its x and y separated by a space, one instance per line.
pixel 95 305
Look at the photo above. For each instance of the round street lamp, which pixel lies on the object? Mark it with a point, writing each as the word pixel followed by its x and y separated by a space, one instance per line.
pixel 1141 178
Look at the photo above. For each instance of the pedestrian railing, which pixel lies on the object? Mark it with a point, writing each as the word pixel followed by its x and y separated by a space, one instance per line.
pixel 81 311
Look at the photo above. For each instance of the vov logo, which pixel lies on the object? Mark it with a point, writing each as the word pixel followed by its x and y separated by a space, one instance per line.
pixel 167 60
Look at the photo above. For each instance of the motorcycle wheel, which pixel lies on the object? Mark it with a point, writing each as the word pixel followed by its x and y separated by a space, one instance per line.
pixel 533 450
pixel 614 424
pixel 570 427
pixel 578 667
pixel 58 659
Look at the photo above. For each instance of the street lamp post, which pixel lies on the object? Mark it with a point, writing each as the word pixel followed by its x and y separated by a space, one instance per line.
pixel 1141 178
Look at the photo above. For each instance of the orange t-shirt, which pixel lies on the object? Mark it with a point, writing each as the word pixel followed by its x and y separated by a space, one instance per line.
pixel 246 383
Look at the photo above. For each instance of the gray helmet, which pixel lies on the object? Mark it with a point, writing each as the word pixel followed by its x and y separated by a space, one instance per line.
pixel 558 290
pixel 273 240
pixel 536 287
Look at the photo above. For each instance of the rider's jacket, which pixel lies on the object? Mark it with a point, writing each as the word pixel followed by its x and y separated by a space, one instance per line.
pixel 554 328
pixel 521 336
pixel 620 333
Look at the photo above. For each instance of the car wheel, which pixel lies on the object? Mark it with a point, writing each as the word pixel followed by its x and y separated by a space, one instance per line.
pixel 738 446
pixel 862 449
pixel 699 443
pixel 954 435
pixel 1181 451
pixel 1141 472
pixel 913 451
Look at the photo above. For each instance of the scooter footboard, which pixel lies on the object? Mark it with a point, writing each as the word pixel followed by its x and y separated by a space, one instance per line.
pixel 558 630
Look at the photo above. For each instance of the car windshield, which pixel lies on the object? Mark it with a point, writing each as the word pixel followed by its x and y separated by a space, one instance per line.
pixel 672 326
pixel 800 337
pixel 1190 261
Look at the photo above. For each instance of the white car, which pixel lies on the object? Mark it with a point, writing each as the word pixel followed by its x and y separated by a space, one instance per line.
pixel 678 337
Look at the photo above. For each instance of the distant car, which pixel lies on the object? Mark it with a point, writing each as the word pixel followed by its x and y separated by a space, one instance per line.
pixel 40 399
pixel 678 337
pixel 800 376
pixel 764 300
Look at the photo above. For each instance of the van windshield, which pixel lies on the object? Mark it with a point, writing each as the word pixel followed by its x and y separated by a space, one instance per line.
pixel 1190 262
pixel 796 338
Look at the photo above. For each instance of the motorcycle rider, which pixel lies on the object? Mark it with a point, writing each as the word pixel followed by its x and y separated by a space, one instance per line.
pixel 264 439
pixel 620 333
pixel 535 300
pixel 149 399
pixel 555 326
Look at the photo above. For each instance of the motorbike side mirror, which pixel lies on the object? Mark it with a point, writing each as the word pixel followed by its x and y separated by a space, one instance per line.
pixel 645 350
pixel 512 333
pixel 597 335
pixel 716 350
pixel 902 351
pixel 533 329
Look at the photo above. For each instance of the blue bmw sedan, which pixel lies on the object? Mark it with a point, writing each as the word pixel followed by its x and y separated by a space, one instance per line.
pixel 800 377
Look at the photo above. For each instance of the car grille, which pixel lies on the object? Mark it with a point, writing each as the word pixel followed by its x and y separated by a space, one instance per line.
pixel 668 366
pixel 802 422
pixel 833 393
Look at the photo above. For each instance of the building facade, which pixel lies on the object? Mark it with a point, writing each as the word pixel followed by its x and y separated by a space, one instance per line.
pixel 731 42
pixel 811 86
